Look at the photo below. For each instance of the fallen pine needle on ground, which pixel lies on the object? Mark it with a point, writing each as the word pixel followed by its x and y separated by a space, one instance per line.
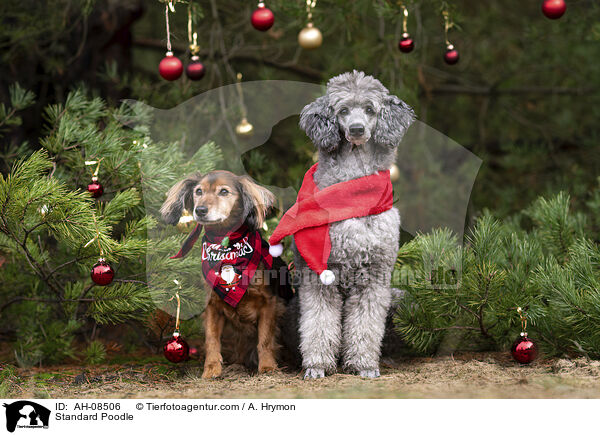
pixel 482 375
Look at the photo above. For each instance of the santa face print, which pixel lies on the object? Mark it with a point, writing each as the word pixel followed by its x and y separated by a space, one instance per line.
pixel 229 276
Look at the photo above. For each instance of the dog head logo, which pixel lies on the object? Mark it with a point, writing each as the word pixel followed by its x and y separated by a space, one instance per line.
pixel 26 414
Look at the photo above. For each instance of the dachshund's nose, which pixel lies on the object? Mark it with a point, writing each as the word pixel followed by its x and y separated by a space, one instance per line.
pixel 201 210
pixel 357 130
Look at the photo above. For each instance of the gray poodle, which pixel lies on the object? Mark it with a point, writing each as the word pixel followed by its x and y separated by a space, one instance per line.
pixel 356 127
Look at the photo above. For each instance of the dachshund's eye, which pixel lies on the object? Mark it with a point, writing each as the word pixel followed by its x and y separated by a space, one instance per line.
pixel 198 192
pixel 370 110
pixel 344 111
pixel 223 192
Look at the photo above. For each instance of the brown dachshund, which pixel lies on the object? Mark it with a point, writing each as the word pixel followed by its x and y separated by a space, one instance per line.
pixel 246 287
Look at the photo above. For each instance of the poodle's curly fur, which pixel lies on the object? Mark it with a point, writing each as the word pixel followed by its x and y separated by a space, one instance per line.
pixel 346 320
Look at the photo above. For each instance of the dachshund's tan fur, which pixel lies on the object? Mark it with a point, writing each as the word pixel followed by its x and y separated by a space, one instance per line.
pixel 230 201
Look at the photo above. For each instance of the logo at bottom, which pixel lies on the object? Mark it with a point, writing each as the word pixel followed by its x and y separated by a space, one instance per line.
pixel 25 414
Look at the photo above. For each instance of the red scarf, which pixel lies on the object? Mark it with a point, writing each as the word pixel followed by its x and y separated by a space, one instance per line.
pixel 309 218
pixel 229 269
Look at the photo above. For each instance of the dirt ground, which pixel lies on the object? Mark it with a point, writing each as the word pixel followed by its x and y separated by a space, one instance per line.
pixel 489 375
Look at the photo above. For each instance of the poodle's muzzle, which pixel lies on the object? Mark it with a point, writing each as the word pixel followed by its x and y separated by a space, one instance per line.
pixel 357 124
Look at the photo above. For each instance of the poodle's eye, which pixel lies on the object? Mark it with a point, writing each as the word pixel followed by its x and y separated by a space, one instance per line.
pixel 198 191
pixel 223 192
pixel 344 111
pixel 370 110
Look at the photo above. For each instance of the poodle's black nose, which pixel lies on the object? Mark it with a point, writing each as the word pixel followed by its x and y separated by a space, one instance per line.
pixel 357 130
pixel 201 210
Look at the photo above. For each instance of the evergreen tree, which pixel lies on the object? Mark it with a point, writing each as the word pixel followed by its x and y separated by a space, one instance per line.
pixel 543 259
pixel 52 231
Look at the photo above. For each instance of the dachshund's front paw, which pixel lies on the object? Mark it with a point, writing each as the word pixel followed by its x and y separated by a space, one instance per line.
pixel 267 368
pixel 314 373
pixel 371 373
pixel 212 370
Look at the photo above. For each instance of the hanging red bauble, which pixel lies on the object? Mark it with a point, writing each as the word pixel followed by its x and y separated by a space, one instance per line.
pixel 262 18
pixel 451 56
pixel 170 68
pixel 95 188
pixel 102 272
pixel 406 44
pixel 524 349
pixel 195 69
pixel 176 349
pixel 554 9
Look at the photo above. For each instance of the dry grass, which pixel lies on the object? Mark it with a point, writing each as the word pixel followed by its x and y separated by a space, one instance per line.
pixel 490 375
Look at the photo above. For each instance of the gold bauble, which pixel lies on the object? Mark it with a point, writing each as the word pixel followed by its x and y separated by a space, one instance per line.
pixel 394 173
pixel 310 37
pixel 186 222
pixel 244 128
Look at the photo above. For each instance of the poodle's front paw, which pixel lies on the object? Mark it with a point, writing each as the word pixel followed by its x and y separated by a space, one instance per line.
pixel 212 370
pixel 314 373
pixel 369 373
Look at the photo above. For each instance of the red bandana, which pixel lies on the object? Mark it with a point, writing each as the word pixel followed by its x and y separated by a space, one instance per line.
pixel 309 218
pixel 229 269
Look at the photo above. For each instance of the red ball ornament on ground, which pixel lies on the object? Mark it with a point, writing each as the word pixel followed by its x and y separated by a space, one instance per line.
pixel 170 68
pixel 95 188
pixel 195 69
pixel 406 44
pixel 102 272
pixel 176 349
pixel 523 349
pixel 451 56
pixel 262 18
pixel 554 9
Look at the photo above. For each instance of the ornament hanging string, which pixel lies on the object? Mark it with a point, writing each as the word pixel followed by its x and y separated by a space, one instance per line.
pixel 97 238
pixel 91 163
pixel 310 5
pixel 448 24
pixel 94 176
pixel 192 36
pixel 190 22
pixel 405 19
pixel 178 306
pixel 168 6
pixel 523 317
pixel 238 85
pixel 244 128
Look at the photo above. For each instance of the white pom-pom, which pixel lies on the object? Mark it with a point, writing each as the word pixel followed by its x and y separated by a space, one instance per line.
pixel 276 250
pixel 327 277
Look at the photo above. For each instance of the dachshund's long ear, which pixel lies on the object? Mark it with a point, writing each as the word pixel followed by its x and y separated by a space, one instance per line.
pixel 179 197
pixel 257 202
pixel 320 124
pixel 394 119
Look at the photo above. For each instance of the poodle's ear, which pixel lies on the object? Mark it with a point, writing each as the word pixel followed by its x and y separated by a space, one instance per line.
pixel 179 197
pixel 320 124
pixel 256 201
pixel 394 119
